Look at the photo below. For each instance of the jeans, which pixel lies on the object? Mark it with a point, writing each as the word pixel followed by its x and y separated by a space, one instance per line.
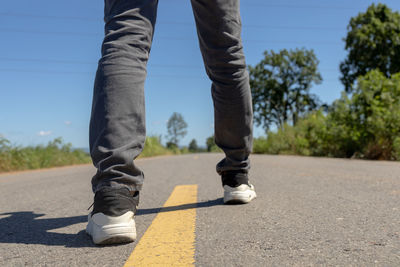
pixel 117 125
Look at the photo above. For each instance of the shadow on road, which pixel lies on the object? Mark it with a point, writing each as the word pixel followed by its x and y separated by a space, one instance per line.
pixel 204 204
pixel 26 227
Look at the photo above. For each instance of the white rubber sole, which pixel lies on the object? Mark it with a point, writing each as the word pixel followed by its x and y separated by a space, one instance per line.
pixel 111 230
pixel 239 195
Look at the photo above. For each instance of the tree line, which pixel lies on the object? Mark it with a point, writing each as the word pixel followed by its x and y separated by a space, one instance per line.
pixel 364 122
pixel 177 129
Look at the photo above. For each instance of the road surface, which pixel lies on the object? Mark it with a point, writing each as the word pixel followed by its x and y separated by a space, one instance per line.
pixel 309 212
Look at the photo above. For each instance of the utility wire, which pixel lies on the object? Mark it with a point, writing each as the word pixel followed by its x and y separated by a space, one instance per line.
pixel 13 30
pixel 26 15
pixel 300 6
pixel 13 14
pixel 160 37
pixel 187 23
pixel 92 73
pixel 79 62
pixel 64 61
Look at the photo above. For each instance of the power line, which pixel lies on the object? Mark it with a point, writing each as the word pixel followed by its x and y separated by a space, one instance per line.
pixel 161 37
pixel 26 15
pixel 90 73
pixel 44 71
pixel 13 30
pixel 13 14
pixel 184 23
pixel 180 76
pixel 292 42
pixel 64 61
pixel 281 27
pixel 301 6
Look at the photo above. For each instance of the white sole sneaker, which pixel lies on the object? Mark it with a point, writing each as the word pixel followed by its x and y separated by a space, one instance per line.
pixel 239 195
pixel 111 230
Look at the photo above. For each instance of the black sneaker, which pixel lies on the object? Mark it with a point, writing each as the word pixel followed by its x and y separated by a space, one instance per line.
pixel 112 218
pixel 237 189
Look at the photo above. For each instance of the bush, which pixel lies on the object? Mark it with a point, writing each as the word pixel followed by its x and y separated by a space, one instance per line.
pixel 369 120
pixel 260 145
pixel 185 150
pixel 303 139
pixel 211 146
pixel 365 125
pixel 153 147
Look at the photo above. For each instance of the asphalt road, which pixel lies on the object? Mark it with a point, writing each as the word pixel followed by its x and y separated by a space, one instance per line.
pixel 309 211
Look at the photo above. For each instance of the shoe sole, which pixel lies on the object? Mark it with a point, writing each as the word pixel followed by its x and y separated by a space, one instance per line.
pixel 239 197
pixel 117 239
pixel 106 230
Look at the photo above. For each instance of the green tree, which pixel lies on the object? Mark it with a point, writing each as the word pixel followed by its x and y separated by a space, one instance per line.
pixel 210 143
pixel 281 85
pixel 193 147
pixel 211 146
pixel 370 119
pixel 372 42
pixel 177 129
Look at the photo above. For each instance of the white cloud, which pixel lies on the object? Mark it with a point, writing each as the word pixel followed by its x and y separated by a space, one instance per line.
pixel 67 123
pixel 44 133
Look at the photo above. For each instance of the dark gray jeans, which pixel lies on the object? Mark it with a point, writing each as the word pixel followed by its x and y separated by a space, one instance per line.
pixel 117 125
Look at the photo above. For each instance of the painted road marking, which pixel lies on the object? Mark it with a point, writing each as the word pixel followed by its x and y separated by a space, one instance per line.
pixel 169 241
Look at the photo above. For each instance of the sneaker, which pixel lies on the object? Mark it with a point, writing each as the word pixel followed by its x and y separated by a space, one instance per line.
pixel 237 189
pixel 241 194
pixel 112 218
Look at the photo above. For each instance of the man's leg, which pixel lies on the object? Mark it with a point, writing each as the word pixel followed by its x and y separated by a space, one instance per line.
pixel 219 31
pixel 117 125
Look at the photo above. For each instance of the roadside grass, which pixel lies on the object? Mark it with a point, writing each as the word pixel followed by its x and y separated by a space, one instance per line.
pixel 54 154
pixel 57 153
pixel 153 147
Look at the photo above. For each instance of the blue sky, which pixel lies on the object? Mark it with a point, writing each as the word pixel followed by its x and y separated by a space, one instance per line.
pixel 49 52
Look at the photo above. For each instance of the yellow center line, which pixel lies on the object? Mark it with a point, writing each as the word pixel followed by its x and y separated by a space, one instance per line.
pixel 169 241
